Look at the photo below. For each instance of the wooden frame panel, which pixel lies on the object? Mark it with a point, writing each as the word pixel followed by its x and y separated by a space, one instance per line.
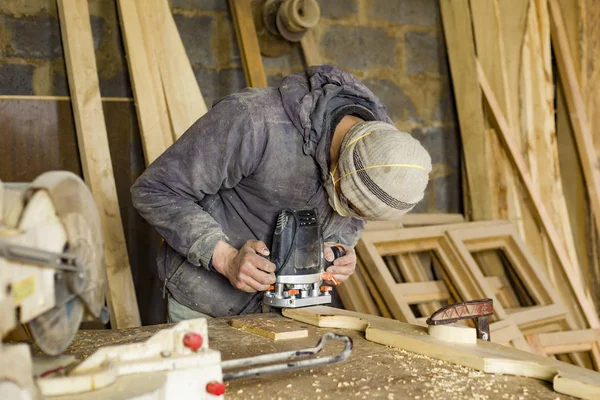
pixel 556 343
pixel 461 282
pixel 550 307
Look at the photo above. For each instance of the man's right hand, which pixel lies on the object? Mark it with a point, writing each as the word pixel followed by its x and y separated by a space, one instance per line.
pixel 245 268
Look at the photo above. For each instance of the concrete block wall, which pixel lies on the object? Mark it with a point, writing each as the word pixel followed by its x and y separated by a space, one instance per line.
pixel 395 46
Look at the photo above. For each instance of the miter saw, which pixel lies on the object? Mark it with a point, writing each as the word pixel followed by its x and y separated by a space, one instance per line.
pixel 52 272
pixel 52 269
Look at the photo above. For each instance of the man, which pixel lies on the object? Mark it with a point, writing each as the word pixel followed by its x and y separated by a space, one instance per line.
pixel 321 140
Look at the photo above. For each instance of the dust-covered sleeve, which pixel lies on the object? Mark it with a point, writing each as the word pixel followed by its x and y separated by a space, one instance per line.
pixel 217 151
pixel 349 233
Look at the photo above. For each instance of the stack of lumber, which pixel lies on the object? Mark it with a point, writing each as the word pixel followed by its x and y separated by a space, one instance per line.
pixel 166 93
pixel 168 101
pixel 501 61
pixel 408 273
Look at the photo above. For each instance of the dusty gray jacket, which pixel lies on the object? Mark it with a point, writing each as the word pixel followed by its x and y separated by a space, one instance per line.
pixel 254 153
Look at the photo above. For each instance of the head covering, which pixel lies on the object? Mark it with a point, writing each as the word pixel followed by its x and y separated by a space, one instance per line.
pixel 383 172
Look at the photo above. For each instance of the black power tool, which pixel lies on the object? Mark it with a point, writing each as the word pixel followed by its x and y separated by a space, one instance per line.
pixel 297 252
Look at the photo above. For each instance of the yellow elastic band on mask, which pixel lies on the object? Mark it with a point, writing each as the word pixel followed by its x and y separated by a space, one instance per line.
pixel 345 148
pixel 380 166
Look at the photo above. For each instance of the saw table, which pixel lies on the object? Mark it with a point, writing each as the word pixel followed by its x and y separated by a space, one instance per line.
pixel 372 371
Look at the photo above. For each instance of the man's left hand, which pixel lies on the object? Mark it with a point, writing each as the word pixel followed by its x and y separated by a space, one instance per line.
pixel 342 267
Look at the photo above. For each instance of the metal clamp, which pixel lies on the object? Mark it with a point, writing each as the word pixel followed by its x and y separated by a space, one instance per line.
pixel 479 310
pixel 287 355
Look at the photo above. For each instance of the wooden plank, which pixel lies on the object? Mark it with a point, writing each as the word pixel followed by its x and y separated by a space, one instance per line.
pixel 310 49
pixel 507 333
pixel 410 220
pixel 458 32
pixel 155 133
pixel 484 356
pixel 592 96
pixel 420 292
pixel 248 43
pixel 383 308
pixel 541 135
pixel 95 155
pixel 415 271
pixel 574 13
pixel 354 292
pixel 384 280
pixel 513 22
pixel 43 98
pixel 567 341
pixel 346 293
pixel 537 204
pixel 148 20
pixel 536 131
pixel 577 110
pixel 492 266
pixel 489 41
pixel 394 268
pixel 182 93
pixel 423 234
pixel 592 88
pixel 526 317
pixel 266 327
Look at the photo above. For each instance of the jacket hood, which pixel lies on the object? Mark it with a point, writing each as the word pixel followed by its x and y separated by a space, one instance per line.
pixel 306 95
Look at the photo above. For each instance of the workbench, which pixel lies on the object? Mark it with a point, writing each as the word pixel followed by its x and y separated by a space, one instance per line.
pixel 372 371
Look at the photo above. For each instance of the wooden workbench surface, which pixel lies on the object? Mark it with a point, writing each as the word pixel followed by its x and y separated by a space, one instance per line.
pixel 372 371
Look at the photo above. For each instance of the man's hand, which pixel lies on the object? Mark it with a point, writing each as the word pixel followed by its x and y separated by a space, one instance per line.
pixel 342 267
pixel 245 268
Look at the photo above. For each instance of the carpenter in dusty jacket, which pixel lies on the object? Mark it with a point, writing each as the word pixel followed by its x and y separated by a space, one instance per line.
pixel 320 140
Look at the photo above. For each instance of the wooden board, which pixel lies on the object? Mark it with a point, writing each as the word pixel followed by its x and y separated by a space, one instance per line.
pixel 310 49
pixel 565 342
pixel 592 88
pixel 148 18
pixel 266 327
pixel 538 205
pixel 513 22
pixel 575 15
pixel 248 43
pixel 182 93
pixel 489 42
pixel 358 293
pixel 383 308
pixel 577 109
pixel 416 219
pixel 95 156
pixel 484 356
pixel 458 33
pixel 538 135
pixel 155 129
pixel 592 97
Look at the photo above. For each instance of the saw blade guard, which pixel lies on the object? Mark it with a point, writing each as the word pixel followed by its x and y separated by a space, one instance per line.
pixel 77 211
